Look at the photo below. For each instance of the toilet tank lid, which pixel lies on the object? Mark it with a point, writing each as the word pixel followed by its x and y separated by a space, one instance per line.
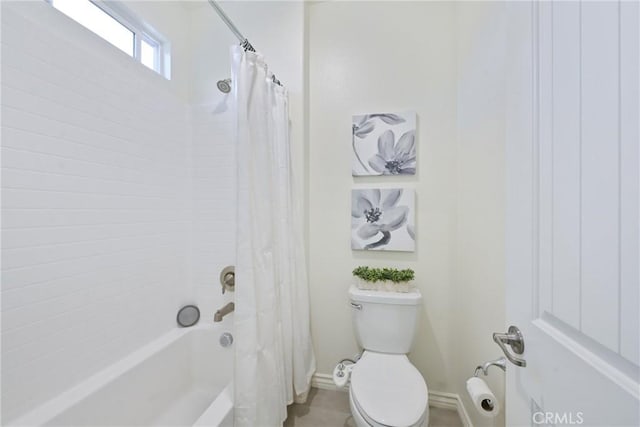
pixel 384 297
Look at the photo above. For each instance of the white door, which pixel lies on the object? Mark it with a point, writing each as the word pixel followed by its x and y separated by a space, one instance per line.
pixel 572 212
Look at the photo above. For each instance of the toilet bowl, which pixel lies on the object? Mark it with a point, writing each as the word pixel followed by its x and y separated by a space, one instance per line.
pixel 386 389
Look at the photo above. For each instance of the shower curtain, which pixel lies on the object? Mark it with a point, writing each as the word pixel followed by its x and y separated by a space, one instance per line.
pixel 274 358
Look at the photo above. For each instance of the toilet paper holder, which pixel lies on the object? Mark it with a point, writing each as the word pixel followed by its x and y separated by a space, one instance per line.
pixel 484 368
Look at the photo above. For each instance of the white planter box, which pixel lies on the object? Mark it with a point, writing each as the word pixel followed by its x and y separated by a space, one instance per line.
pixel 385 285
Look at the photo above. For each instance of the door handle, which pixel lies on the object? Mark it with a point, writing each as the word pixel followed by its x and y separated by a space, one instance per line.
pixel 513 338
pixel 356 306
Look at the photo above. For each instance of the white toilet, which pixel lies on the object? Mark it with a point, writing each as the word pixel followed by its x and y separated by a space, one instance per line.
pixel 386 389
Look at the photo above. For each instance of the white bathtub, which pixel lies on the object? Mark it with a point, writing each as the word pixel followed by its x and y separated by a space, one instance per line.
pixel 181 379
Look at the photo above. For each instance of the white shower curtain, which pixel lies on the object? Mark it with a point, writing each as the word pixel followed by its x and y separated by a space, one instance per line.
pixel 274 358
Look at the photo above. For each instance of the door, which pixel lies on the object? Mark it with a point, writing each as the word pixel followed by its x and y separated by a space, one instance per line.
pixel 572 212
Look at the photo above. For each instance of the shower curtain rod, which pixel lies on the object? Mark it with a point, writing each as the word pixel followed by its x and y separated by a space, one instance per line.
pixel 244 42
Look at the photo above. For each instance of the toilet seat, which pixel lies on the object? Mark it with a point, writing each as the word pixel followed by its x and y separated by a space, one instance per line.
pixel 387 390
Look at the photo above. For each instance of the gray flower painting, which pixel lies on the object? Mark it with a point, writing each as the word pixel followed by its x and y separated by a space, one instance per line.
pixel 383 219
pixel 384 144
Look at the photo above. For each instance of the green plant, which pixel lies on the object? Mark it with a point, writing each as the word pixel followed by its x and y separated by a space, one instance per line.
pixel 369 274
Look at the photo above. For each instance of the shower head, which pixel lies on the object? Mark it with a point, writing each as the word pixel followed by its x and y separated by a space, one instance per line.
pixel 224 86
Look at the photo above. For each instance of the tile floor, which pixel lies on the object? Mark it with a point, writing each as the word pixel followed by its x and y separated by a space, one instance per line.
pixel 326 408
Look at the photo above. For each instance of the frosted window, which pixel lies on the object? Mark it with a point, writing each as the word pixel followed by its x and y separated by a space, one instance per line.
pixel 98 21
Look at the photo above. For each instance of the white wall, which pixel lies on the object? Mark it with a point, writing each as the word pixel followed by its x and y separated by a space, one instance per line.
pixel 95 207
pixel 376 57
pixel 444 60
pixel 478 279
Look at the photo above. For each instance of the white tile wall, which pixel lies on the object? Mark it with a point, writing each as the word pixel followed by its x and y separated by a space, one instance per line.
pixel 214 203
pixel 96 205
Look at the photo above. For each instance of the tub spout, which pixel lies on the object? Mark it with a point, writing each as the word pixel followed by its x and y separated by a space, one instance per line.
pixel 223 312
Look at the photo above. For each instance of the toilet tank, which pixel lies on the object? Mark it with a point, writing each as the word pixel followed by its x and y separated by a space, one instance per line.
pixel 385 322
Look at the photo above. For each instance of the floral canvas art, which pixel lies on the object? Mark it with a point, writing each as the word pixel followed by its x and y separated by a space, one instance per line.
pixel 384 144
pixel 383 219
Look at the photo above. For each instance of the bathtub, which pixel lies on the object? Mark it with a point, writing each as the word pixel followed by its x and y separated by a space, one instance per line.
pixel 181 379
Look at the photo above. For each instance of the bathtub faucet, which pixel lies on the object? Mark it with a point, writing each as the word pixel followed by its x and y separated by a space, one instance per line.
pixel 223 312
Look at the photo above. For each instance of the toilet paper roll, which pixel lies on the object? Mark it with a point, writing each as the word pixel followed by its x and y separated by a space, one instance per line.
pixel 483 399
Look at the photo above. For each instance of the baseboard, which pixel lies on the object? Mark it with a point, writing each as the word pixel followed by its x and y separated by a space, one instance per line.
pixel 451 401
pixel 325 382
pixel 437 399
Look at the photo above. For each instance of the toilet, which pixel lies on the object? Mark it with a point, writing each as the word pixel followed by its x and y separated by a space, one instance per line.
pixel 386 389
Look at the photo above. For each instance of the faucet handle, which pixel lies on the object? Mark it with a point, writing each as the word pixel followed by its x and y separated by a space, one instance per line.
pixel 228 278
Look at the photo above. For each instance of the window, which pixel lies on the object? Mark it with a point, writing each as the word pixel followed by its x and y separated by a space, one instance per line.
pixel 118 26
pixel 148 54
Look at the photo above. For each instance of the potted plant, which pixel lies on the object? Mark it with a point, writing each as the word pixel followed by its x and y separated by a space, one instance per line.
pixel 384 279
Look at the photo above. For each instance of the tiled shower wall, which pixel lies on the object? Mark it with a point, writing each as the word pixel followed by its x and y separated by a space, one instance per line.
pixel 214 203
pixel 96 200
